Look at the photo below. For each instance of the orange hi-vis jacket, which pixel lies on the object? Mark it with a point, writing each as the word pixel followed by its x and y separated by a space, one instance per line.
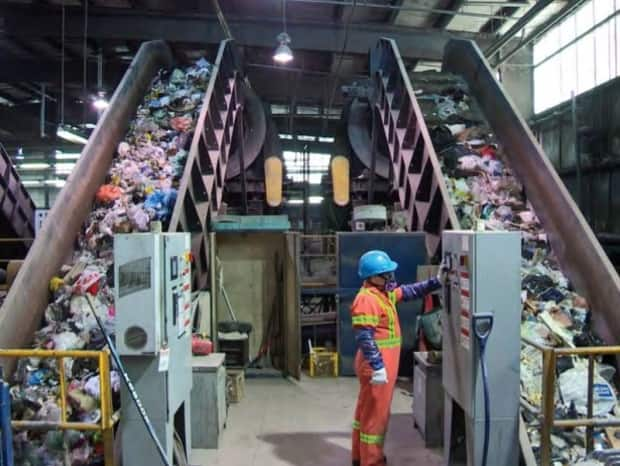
pixel 376 309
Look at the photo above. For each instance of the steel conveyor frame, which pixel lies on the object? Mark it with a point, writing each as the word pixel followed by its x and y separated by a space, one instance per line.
pixel 419 180
pixel 415 170
pixel 199 192
pixel 204 176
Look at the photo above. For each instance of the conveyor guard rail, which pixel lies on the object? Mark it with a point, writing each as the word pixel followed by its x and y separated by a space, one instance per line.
pixel 547 419
pixel 105 425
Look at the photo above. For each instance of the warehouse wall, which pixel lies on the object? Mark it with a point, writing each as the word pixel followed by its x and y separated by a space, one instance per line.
pixel 252 283
pixel 598 116
pixel 517 80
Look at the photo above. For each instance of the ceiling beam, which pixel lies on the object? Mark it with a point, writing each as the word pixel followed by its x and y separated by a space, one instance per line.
pixel 112 24
pixel 569 9
pixel 306 126
pixel 523 21
pixel 48 71
pixel 442 21
pixel 392 15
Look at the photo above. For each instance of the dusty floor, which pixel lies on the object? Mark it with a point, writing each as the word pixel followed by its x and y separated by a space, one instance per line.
pixel 281 423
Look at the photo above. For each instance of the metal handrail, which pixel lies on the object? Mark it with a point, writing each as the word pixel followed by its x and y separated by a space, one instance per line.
pixel 105 425
pixel 547 418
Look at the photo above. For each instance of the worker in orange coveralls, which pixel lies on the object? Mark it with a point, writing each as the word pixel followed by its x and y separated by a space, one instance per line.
pixel 378 337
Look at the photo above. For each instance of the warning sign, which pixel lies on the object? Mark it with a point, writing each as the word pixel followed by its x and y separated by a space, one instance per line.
pixel 465 338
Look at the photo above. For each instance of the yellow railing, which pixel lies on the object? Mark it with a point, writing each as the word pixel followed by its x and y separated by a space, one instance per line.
pixel 547 419
pixel 105 425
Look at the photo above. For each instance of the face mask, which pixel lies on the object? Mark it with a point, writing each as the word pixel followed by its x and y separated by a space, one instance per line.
pixel 390 282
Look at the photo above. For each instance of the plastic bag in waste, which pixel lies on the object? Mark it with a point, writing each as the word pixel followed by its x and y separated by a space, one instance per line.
pixel 67 341
pixel 162 203
pixel 574 389
pixel 108 193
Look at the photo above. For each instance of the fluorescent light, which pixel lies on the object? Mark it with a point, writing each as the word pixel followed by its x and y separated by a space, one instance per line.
pixel 302 137
pixel 69 156
pixel 321 139
pixel 31 183
pixel 55 183
pixel 315 199
pixel 64 168
pixel 295 201
pixel 70 135
pixel 283 53
pixel 33 166
pixel 90 126
pixel 286 136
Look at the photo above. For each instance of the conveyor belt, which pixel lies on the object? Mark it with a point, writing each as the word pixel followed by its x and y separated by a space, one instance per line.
pixel 199 193
pixel 17 210
pixel 418 178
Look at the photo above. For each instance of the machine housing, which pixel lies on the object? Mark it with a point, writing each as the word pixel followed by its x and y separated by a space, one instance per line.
pixel 483 277
pixel 153 334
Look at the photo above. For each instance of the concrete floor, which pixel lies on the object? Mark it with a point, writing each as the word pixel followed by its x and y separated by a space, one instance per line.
pixel 283 423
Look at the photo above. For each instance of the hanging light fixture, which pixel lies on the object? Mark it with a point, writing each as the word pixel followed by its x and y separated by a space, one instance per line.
pixel 283 53
pixel 100 102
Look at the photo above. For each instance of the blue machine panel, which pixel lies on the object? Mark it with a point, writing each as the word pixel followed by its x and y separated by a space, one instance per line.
pixel 409 250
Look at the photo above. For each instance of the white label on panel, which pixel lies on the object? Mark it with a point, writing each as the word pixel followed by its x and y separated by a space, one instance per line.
pixel 164 359
pixel 465 243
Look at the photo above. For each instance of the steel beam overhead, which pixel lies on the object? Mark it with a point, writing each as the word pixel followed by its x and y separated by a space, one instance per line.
pixel 48 71
pixel 540 30
pixel 443 20
pixel 518 26
pixel 426 44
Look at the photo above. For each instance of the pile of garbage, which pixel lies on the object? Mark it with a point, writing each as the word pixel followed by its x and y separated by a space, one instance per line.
pixel 486 195
pixel 141 187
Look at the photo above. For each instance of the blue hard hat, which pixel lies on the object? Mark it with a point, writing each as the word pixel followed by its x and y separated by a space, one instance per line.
pixel 375 263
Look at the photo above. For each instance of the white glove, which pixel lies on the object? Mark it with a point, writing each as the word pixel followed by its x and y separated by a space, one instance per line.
pixel 379 377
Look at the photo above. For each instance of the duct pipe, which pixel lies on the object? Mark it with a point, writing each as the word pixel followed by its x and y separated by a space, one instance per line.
pixel 23 308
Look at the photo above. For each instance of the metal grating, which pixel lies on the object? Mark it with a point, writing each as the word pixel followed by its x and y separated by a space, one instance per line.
pixel 200 192
pixel 415 170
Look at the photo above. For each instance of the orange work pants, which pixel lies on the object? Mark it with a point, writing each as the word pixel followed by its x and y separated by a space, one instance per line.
pixel 373 409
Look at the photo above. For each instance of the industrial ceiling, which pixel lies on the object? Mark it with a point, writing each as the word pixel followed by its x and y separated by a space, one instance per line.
pixel 330 40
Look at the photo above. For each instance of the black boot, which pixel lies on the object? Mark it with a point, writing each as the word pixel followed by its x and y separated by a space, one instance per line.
pixel 357 463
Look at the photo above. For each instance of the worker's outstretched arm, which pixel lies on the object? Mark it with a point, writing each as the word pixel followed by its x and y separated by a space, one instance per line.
pixel 418 290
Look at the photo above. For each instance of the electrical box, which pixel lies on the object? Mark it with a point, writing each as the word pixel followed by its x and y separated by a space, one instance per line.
pixel 483 278
pixel 153 337
pixel 153 275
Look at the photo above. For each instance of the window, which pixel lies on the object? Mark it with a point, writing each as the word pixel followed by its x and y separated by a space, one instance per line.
pixel 578 54
pixel 317 166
